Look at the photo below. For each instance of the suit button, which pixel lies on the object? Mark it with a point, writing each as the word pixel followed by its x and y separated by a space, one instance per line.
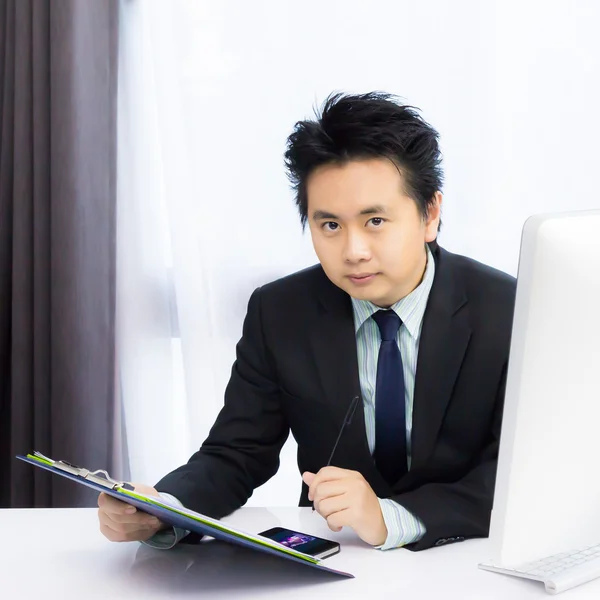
pixel 441 542
pixel 460 539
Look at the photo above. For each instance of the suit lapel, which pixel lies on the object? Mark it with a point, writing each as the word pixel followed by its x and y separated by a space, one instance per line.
pixel 445 335
pixel 333 342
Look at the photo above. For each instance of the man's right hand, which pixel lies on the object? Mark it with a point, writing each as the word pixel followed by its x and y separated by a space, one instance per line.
pixel 121 522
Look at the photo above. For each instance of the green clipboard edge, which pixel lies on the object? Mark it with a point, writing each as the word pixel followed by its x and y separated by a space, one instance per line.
pixel 46 462
pixel 249 538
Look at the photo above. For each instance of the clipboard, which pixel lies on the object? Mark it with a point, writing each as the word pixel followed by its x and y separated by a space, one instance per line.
pixel 173 515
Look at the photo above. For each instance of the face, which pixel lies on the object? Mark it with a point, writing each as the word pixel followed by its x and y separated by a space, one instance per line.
pixel 368 234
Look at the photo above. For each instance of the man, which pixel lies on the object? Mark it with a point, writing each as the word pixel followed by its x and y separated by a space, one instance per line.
pixel 421 337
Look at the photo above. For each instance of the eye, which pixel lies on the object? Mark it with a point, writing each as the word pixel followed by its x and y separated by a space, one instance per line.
pixel 330 226
pixel 376 221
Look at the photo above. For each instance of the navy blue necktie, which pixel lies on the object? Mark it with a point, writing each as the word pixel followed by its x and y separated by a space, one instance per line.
pixel 390 420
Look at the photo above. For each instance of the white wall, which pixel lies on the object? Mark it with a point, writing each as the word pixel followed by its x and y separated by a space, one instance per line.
pixel 512 87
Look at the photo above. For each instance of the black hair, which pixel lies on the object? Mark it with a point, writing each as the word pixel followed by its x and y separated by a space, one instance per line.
pixel 364 126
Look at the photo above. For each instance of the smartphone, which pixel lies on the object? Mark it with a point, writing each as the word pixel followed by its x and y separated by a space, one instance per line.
pixel 309 544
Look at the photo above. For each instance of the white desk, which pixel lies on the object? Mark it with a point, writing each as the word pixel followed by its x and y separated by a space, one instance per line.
pixel 60 553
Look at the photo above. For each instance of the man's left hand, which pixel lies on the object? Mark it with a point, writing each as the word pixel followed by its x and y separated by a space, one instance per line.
pixel 345 499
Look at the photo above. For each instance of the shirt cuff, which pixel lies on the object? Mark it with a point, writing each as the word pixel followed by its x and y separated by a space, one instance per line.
pixel 167 538
pixel 402 526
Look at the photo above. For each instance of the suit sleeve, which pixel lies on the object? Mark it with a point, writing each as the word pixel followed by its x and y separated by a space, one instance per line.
pixel 242 449
pixel 452 512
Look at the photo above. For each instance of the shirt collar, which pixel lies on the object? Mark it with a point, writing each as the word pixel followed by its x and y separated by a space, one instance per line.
pixel 410 309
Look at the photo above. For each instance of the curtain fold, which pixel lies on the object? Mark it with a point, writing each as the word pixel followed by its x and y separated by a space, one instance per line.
pixel 58 84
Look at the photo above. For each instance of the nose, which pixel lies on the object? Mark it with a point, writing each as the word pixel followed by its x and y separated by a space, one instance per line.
pixel 356 248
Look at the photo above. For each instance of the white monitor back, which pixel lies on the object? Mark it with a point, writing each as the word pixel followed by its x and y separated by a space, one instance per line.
pixel 547 497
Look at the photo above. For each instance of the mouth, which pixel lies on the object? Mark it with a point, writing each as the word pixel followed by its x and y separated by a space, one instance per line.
pixel 362 278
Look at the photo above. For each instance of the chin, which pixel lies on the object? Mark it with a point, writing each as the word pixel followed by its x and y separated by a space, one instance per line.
pixel 377 299
pixel 363 295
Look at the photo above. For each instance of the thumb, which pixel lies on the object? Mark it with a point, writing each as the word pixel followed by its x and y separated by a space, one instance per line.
pixel 307 477
pixel 145 489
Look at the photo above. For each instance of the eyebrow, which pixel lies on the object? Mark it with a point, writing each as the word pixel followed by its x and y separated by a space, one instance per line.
pixel 371 210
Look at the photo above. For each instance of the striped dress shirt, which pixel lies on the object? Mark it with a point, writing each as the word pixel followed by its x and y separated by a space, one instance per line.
pixel 403 527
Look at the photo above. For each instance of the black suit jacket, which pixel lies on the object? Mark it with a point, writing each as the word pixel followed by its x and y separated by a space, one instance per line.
pixel 296 368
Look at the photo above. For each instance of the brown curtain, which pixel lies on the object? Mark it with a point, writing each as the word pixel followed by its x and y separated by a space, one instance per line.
pixel 58 75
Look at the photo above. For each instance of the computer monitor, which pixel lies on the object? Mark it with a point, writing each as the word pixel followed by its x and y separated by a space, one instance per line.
pixel 547 496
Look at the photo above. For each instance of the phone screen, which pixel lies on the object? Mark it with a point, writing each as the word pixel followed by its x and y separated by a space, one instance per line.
pixel 302 542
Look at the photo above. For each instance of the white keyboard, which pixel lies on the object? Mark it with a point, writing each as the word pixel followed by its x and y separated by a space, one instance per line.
pixel 558 572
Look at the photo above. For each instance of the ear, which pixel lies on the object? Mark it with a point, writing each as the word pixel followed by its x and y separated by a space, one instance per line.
pixel 434 213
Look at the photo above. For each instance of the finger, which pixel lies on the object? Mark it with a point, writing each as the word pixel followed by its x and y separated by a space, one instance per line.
pixel 113 506
pixel 330 506
pixel 327 474
pixel 108 533
pixel 339 519
pixel 329 489
pixel 307 477
pixel 144 522
pixel 141 522
pixel 139 535
pixel 145 489
pixel 139 517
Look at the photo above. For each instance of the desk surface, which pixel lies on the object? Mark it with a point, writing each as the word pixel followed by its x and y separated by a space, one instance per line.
pixel 60 553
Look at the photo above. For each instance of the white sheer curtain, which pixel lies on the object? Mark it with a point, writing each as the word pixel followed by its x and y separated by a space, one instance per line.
pixel 156 217
pixel 192 244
